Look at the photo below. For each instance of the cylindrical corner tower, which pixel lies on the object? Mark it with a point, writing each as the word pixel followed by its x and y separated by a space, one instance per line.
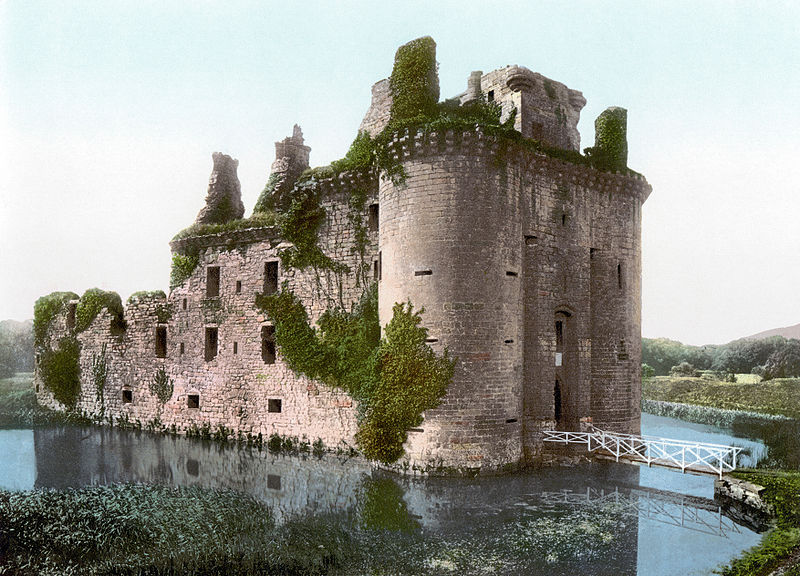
pixel 450 240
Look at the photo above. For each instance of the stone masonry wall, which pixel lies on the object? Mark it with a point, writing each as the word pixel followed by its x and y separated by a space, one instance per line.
pixel 498 244
pixel 236 388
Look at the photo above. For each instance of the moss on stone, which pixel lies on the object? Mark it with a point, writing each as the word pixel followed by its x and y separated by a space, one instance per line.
pixel 92 302
pixel 414 82
pixel 60 370
pixel 45 310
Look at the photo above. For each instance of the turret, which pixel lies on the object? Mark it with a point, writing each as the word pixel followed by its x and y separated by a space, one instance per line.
pixel 224 198
pixel 291 158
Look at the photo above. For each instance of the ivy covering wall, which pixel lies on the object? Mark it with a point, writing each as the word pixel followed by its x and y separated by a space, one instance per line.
pixel 394 379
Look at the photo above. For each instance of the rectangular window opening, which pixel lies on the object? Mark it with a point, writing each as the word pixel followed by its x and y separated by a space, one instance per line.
pixel 431 340
pixel 619 275
pixel 416 430
pixel 127 396
pixel 511 273
pixel 563 219
pixel 238 286
pixel 511 420
pixel 375 270
pixel 270 277
pixel 161 341
pixel 559 336
pixel 183 305
pixel 235 347
pixel 268 344
pixel 373 217
pixel 212 281
pixel 509 341
pixel 273 482
pixel 423 272
pixel 193 401
pixel 274 405
pixel 183 348
pixel 380 265
pixel 592 253
pixel 192 467
pixel 71 309
pixel 490 96
pixel 212 343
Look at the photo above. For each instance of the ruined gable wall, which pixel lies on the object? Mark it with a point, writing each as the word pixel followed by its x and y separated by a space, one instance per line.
pixel 234 388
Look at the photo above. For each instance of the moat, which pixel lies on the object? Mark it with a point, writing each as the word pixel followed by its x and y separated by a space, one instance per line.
pixel 594 518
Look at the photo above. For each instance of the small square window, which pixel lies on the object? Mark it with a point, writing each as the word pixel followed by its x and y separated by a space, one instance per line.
pixel 193 401
pixel 275 405
pixel 273 482
pixel 192 467
pixel 127 396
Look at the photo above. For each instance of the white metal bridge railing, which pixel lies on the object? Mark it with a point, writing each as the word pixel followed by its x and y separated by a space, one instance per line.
pixel 683 454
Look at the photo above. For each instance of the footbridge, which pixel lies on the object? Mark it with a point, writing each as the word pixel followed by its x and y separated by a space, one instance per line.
pixel 685 455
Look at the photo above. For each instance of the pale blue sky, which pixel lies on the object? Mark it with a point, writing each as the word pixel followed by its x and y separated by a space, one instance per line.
pixel 111 110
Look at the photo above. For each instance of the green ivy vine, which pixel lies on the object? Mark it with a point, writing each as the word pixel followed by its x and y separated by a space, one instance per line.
pixel 394 379
pixel 45 309
pixel 60 370
pixel 92 302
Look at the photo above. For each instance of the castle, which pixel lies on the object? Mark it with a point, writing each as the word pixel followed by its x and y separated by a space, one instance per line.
pixel 527 261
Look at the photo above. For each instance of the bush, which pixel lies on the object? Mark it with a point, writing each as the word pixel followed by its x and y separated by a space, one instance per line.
pixel 648 371
pixel 182 267
pixel 394 379
pixel 684 369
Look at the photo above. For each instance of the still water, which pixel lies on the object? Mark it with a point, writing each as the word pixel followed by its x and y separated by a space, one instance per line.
pixel 596 518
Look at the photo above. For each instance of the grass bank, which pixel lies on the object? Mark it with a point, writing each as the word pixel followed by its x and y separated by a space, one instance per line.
pixel 781 546
pixel 775 397
pixel 137 529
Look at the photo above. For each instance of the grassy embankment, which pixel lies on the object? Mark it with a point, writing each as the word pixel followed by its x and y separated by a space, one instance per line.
pixel 780 546
pixel 776 397
pixel 18 407
pixel 780 397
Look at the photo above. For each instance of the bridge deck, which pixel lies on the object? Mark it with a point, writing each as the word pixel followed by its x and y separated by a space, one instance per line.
pixel 681 454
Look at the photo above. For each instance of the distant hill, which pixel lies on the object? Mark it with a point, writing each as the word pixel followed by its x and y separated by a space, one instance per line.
pixel 787 332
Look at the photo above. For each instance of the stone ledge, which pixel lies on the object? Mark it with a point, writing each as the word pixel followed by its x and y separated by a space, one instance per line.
pixel 230 238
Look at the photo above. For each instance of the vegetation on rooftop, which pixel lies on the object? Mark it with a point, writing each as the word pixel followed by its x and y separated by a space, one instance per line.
pixel 92 302
pixel 45 310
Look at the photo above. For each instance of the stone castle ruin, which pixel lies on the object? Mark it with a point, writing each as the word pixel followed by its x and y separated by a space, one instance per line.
pixel 524 253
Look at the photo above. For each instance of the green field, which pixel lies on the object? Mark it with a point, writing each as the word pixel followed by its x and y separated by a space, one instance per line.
pixel 779 396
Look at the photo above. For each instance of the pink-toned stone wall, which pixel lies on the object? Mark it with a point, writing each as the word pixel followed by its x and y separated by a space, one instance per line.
pixel 497 243
pixel 235 387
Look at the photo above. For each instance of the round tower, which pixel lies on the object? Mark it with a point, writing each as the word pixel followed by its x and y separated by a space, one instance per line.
pixel 450 242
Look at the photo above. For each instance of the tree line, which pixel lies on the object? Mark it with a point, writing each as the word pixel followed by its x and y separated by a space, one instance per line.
pixel 773 357
pixel 16 347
